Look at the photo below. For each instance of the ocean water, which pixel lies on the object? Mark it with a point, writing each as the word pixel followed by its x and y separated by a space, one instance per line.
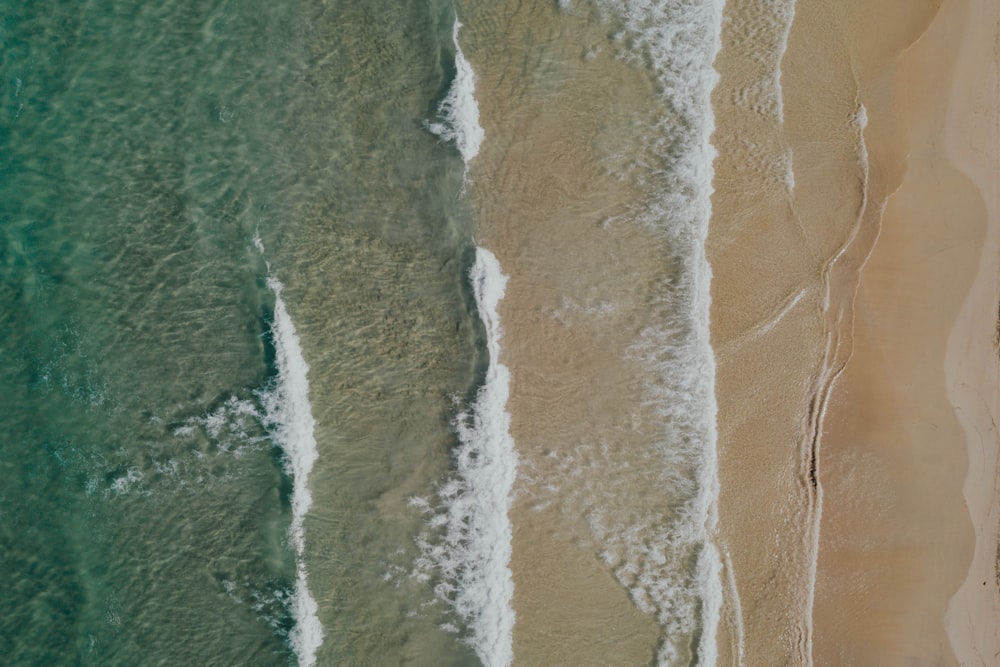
pixel 256 402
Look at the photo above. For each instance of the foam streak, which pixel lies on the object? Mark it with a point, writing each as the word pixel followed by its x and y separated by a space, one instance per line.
pixel 473 559
pixel 458 111
pixel 289 415
pixel 678 40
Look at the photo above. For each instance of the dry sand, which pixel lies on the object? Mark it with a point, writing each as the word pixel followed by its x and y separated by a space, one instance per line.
pixel 834 302
pixel 972 143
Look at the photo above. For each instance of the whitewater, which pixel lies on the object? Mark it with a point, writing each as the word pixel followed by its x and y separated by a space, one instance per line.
pixel 471 559
pixel 674 572
pixel 288 414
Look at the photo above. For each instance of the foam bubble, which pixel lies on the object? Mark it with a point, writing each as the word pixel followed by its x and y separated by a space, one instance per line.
pixel 472 558
pixel 678 41
pixel 458 111
pixel 861 116
pixel 121 485
pixel 289 415
pixel 234 427
pixel 307 635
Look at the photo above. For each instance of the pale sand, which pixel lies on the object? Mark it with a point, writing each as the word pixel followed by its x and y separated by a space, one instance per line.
pixel 895 538
pixel 972 143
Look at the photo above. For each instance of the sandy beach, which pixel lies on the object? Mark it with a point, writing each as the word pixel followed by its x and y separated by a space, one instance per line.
pixel 857 369
pixel 853 242
pixel 972 143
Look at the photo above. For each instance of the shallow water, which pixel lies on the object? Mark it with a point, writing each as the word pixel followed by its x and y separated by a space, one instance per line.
pixel 195 193
pixel 144 148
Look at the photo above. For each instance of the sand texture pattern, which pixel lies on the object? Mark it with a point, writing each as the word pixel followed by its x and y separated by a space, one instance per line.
pixel 852 218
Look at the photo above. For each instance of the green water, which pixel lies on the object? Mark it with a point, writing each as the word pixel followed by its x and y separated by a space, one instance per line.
pixel 143 505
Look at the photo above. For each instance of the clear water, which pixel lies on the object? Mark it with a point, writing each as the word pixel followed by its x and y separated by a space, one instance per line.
pixel 144 507
pixel 163 164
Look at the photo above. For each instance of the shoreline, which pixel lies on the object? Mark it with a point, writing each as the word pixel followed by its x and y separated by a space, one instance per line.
pixel 841 460
pixel 895 540
pixel 839 274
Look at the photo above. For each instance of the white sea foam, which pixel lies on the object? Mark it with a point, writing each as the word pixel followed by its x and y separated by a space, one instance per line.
pixel 861 118
pixel 288 413
pixel 458 111
pixel 124 483
pixel 736 611
pixel 471 558
pixel 230 423
pixel 679 41
pixel 786 15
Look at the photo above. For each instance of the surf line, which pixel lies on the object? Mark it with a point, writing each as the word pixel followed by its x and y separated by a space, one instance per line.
pixel 488 461
pixel 677 43
pixel 472 557
pixel 458 112
pixel 288 414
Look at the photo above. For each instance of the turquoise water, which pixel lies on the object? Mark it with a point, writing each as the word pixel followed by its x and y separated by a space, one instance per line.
pixel 144 502
pixel 237 243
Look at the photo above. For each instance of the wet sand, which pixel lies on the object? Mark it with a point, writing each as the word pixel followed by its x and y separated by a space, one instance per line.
pixel 842 461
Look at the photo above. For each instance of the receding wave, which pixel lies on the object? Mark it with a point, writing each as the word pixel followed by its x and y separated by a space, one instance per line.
pixel 671 566
pixel 470 557
pixel 288 414
pixel 458 112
